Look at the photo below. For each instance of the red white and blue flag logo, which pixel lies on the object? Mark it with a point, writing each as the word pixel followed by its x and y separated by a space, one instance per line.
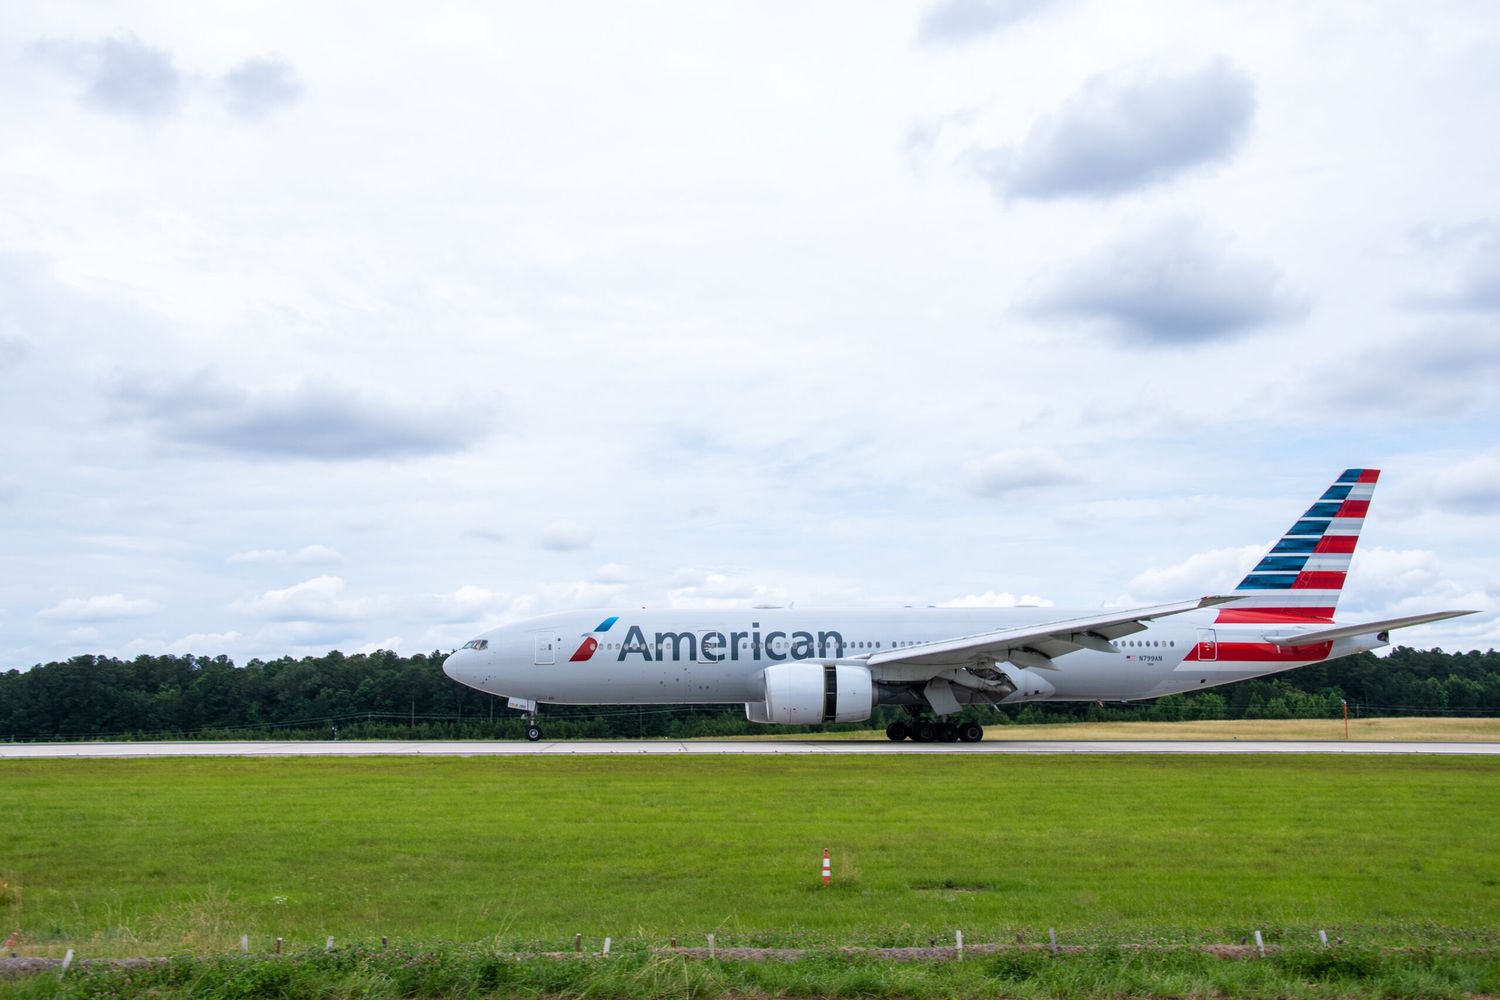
pixel 590 644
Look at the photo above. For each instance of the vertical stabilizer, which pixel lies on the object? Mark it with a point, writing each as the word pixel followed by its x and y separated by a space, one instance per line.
pixel 1301 578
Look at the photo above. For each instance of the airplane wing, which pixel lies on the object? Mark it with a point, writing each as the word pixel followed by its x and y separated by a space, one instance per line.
pixel 1032 646
pixel 1363 628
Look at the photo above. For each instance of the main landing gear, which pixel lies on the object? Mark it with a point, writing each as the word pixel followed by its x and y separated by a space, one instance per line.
pixel 533 732
pixel 932 731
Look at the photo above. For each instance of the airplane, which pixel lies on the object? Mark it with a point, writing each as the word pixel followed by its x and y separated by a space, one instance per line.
pixel 794 666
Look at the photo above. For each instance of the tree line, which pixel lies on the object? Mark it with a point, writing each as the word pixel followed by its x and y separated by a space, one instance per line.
pixel 383 695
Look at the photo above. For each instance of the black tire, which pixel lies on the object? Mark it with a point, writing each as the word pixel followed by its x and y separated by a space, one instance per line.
pixel 948 732
pixel 970 732
pixel 924 731
pixel 897 731
pixel 533 733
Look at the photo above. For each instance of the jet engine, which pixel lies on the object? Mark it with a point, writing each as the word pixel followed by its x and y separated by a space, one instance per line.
pixel 807 692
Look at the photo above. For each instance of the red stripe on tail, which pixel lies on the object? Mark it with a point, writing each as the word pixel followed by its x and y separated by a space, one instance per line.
pixel 1319 580
pixel 1274 616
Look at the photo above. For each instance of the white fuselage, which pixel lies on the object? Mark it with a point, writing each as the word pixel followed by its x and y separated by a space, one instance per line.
pixel 708 656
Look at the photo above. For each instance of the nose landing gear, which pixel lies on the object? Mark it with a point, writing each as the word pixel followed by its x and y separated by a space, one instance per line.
pixel 529 713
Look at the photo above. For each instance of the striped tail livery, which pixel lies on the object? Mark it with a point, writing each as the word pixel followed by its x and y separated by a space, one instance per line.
pixel 1299 580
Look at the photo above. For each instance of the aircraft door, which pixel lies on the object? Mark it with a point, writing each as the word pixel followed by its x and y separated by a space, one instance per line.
pixel 546 649
pixel 1208 644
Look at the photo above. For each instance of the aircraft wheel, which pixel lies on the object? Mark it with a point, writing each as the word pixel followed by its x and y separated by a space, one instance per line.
pixel 970 732
pixel 533 732
pixel 897 731
pixel 924 731
pixel 948 732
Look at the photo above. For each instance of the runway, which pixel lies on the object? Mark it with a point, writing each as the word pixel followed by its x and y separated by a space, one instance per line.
pixel 419 748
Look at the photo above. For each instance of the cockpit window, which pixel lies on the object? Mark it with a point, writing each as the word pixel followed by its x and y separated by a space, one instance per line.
pixel 477 644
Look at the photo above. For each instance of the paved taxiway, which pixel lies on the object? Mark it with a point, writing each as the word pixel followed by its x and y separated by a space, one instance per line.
pixel 356 748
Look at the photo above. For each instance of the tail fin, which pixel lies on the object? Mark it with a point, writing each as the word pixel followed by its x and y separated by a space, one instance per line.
pixel 1301 578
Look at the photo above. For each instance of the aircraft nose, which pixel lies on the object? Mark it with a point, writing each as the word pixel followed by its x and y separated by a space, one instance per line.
pixel 455 666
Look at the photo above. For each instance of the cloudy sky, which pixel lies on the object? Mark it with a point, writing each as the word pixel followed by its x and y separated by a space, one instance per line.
pixel 325 332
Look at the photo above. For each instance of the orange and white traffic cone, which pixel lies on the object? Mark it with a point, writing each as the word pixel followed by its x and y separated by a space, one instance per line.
pixel 827 868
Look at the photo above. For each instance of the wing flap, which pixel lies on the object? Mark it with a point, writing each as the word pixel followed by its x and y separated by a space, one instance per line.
pixel 1027 645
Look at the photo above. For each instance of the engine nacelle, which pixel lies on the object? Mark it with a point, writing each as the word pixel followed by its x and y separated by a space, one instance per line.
pixel 1030 686
pixel 808 692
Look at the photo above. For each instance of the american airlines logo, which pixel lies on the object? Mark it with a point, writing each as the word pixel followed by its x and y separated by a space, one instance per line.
pixel 711 646
pixel 590 645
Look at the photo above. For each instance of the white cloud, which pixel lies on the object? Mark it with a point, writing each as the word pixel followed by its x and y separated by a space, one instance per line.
pixel 99 608
pixel 565 536
pixel 696 588
pixel 1020 469
pixel 257 87
pixel 307 555
pixel 612 573
pixel 469 604
pixel 393 642
pixel 1475 284
pixel 950 21
pixel 565 596
pixel 124 75
pixel 1125 130
pixel 320 599
pixel 992 599
pixel 314 419
pixel 1470 487
pixel 1203 574
pixel 1177 282
pixel 228 643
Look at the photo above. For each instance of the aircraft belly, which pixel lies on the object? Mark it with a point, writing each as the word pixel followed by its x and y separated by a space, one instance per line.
pixel 1104 677
pixel 665 682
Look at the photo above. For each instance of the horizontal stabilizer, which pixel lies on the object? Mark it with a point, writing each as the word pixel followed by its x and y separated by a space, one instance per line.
pixel 1363 628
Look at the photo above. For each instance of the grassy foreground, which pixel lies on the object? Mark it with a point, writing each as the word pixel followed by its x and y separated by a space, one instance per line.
pixel 455 972
pixel 133 857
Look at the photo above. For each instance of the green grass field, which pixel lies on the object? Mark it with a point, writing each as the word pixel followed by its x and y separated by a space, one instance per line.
pixel 475 973
pixel 152 856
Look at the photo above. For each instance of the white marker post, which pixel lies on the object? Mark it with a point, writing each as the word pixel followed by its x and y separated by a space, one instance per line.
pixel 244 944
pixel 329 945
pixel 710 946
pixel 1052 933
pixel 606 947
pixel 1260 944
pixel 1323 936
pixel 958 944
pixel 67 961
